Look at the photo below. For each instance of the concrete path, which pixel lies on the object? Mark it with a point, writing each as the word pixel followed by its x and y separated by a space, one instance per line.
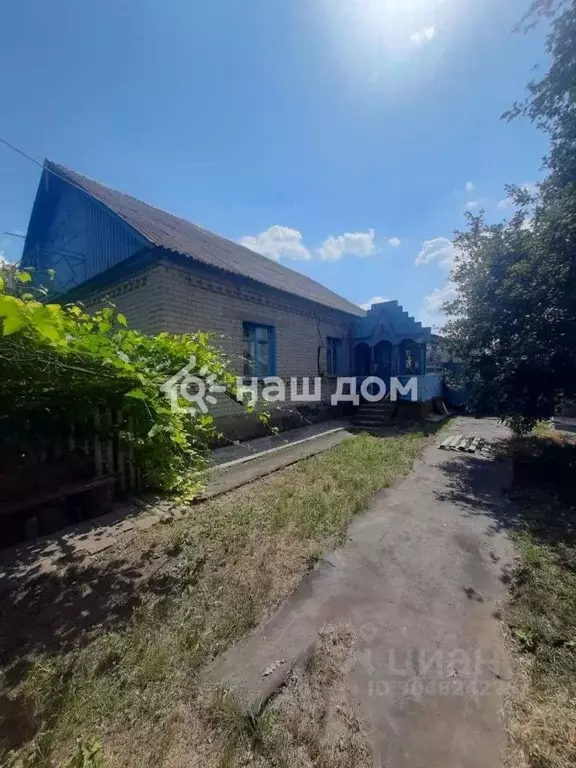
pixel 250 448
pixel 225 477
pixel 420 580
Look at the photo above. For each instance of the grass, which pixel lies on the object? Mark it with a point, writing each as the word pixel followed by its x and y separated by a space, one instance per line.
pixel 108 650
pixel 542 611
pixel 311 721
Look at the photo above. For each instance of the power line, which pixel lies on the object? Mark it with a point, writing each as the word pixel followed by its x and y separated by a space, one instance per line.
pixel 45 168
pixel 61 252
pixel 20 152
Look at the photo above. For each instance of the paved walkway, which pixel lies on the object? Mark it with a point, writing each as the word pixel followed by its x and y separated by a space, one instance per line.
pixel 420 579
pixel 268 457
pixel 250 448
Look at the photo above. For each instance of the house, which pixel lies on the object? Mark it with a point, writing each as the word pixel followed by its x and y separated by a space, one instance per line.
pixel 167 274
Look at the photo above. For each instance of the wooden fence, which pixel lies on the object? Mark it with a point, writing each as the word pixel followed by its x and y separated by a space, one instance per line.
pixel 107 446
pixel 103 439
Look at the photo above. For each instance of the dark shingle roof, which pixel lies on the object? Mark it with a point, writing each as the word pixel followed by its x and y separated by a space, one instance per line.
pixel 175 234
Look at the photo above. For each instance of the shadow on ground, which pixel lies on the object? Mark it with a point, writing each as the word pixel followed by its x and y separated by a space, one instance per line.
pixel 538 476
pixel 55 612
pixel 48 615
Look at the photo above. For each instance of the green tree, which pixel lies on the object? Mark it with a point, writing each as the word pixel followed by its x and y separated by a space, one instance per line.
pixel 513 323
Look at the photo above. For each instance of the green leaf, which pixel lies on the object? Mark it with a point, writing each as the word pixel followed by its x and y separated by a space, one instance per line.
pixel 12 324
pixel 24 277
pixel 1 283
pixel 8 305
pixel 122 319
pixel 11 311
pixel 137 394
pixel 49 331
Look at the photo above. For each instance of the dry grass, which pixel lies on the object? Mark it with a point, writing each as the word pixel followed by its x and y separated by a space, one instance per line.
pixel 111 648
pixel 542 612
pixel 312 721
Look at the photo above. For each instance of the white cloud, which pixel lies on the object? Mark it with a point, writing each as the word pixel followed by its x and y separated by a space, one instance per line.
pixel 505 203
pixel 394 242
pixel 277 242
pixel 472 205
pixel 431 312
pixel 469 186
pixel 359 244
pixel 424 35
pixel 373 300
pixel 439 251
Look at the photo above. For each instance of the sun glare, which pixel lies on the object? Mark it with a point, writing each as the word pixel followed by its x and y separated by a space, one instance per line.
pixel 395 23
pixel 393 14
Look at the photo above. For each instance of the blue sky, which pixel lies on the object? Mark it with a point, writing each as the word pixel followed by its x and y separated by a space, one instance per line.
pixel 345 137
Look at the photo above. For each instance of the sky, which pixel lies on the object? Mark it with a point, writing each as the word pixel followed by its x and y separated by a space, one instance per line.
pixel 345 138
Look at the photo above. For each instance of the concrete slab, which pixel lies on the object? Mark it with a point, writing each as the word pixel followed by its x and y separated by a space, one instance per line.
pixel 565 423
pixel 420 579
pixel 248 449
pixel 229 476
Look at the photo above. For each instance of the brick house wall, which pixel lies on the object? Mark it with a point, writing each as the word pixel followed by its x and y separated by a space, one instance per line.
pixel 182 299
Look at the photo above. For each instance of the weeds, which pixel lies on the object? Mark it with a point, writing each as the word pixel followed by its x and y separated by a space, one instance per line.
pixel 542 611
pixel 158 608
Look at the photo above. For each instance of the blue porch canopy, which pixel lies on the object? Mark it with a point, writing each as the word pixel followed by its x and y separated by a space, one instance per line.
pixel 389 342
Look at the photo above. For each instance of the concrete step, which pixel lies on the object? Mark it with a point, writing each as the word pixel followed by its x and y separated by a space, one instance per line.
pixel 371 422
pixel 374 414
pixel 361 414
pixel 375 411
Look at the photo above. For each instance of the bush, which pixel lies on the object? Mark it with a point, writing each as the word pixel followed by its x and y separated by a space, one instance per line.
pixel 60 366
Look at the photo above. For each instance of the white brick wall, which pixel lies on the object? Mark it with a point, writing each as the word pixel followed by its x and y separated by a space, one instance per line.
pixel 165 297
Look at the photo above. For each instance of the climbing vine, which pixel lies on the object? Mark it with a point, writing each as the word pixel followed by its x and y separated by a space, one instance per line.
pixel 60 365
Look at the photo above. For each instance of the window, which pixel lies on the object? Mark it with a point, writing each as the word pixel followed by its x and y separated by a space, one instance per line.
pixel 259 350
pixel 410 357
pixel 333 356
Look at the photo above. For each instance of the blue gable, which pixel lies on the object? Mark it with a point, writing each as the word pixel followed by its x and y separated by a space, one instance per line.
pixel 74 235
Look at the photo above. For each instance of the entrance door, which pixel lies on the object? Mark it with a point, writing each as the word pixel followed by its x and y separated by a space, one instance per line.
pixel 362 359
pixel 383 360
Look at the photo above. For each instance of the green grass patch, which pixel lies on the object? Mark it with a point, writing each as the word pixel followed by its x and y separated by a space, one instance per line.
pixel 542 610
pixel 109 650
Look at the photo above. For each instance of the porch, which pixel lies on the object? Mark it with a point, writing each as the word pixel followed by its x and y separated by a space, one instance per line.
pixel 388 343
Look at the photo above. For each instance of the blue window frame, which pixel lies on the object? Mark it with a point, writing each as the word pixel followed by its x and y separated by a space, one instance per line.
pixel 259 348
pixel 333 356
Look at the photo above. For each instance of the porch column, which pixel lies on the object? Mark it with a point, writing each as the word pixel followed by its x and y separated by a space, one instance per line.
pixel 422 359
pixel 395 369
